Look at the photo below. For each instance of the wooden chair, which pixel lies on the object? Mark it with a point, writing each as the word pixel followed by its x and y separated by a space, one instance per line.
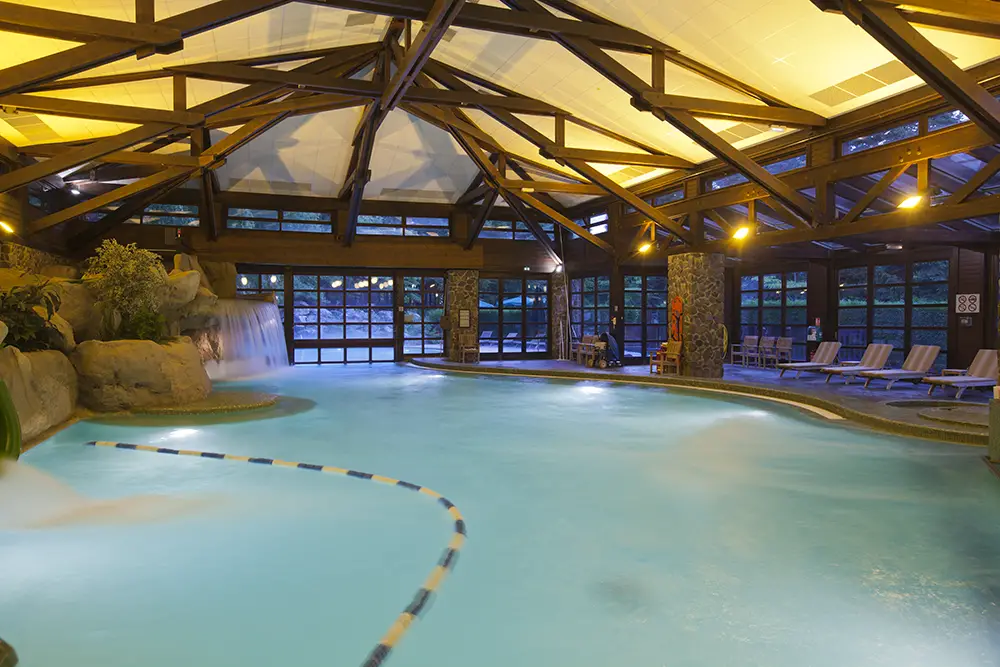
pixel 468 344
pixel 780 353
pixel 669 354
pixel 765 350
pixel 584 349
pixel 746 351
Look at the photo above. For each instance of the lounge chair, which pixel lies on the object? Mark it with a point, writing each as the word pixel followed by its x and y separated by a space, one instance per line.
pixel 982 373
pixel 916 366
pixel 745 351
pixel 825 355
pixel 873 359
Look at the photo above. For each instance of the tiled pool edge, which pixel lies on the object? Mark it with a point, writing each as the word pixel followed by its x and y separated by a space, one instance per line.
pixel 801 400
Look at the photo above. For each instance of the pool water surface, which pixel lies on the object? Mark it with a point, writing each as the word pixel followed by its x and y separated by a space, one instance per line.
pixel 608 525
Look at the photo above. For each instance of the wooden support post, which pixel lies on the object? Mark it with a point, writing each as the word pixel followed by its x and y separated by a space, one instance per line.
pixel 180 92
pixel 659 78
pixel 560 130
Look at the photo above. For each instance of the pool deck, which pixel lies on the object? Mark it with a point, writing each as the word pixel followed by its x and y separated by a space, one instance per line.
pixel 874 408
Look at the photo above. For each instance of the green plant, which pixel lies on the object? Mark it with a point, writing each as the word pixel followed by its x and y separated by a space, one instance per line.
pixel 27 311
pixel 145 325
pixel 128 281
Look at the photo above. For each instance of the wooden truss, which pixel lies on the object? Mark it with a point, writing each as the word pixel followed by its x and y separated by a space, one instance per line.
pixel 407 77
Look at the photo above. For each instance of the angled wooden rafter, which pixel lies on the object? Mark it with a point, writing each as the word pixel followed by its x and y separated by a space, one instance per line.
pixel 68 26
pixel 482 215
pixel 590 53
pixel 890 28
pixel 23 77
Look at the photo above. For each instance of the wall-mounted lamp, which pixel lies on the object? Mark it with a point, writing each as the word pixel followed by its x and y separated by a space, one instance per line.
pixel 911 202
pixel 645 247
pixel 6 227
pixel 741 233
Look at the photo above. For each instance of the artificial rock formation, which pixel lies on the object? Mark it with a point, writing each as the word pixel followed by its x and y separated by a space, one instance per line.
pixel 126 374
pixel 699 280
pixel 461 293
pixel 42 385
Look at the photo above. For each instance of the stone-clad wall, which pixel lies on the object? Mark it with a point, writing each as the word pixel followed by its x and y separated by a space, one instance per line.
pixel 461 293
pixel 558 300
pixel 699 280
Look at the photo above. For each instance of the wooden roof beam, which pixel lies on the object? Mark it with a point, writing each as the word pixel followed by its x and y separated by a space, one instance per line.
pixel 555 152
pixel 635 86
pixel 23 77
pixel 356 87
pixel 28 20
pixel 482 215
pixel 505 21
pixel 115 113
pixel 890 29
pixel 750 113
pixel 442 14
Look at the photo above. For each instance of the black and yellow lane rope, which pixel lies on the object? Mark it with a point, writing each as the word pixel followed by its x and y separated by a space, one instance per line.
pixel 444 565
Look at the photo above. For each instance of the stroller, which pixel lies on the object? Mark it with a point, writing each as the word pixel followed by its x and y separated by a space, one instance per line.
pixel 606 353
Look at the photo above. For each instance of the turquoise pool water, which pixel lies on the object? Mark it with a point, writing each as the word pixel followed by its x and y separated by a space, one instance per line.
pixel 608 525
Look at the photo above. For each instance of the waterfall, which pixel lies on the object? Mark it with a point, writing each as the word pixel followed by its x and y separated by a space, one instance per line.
pixel 250 339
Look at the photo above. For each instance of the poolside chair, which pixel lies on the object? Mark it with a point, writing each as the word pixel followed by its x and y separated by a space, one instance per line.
pixel 765 350
pixel 916 366
pixel 982 373
pixel 584 349
pixel 781 352
pixel 468 345
pixel 669 354
pixel 825 355
pixel 873 359
pixel 745 351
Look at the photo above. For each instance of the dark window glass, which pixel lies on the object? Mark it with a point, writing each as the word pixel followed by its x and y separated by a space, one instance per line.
pixel 881 138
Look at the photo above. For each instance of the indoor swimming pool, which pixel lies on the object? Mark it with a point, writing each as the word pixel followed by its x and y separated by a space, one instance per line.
pixel 608 525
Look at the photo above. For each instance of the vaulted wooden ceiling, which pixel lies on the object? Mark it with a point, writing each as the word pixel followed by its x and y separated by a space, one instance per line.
pixel 534 105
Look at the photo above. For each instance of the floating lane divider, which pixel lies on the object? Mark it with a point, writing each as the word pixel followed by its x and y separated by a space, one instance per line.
pixel 445 564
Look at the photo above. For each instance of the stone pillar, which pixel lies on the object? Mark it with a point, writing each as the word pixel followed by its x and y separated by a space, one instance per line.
pixel 559 309
pixel 461 293
pixel 699 280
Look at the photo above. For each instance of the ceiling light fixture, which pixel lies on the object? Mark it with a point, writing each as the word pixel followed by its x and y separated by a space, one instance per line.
pixel 778 128
pixel 741 233
pixel 527 268
pixel 645 247
pixel 911 202
pixel 559 268
pixel 75 192
pixel 894 246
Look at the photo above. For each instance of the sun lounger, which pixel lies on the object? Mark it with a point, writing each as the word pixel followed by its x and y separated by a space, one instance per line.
pixel 873 359
pixel 982 373
pixel 916 366
pixel 826 355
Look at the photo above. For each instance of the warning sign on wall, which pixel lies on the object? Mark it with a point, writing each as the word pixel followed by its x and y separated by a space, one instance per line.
pixel 966 303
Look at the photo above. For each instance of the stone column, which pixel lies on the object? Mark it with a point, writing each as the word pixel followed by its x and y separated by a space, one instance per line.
pixel 461 293
pixel 699 280
pixel 559 308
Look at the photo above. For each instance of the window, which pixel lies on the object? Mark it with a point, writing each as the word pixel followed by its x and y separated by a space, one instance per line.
pixel 596 223
pixel 263 283
pixel 279 221
pixel 513 315
pixel 397 225
pixel 779 167
pixel 423 303
pixel 342 318
pixel 164 215
pixel 646 316
pixel 876 139
pixel 666 197
pixel 517 231
pixel 774 304
pixel 590 305
pixel 946 119
pixel 900 304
